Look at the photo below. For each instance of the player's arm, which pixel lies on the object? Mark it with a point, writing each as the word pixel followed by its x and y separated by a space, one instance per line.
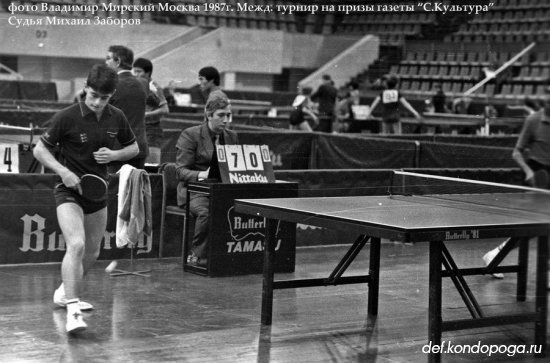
pixel 411 109
pixel 161 111
pixel 524 140
pixel 43 154
pixel 126 138
pixel 373 106
pixel 162 108
pixel 185 159
pixel 311 114
pixel 517 155
pixel 105 155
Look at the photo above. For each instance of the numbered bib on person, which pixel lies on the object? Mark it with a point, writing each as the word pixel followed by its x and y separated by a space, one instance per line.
pixel 390 96
pixel 241 164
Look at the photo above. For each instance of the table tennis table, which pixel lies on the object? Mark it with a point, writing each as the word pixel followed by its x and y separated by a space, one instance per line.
pixel 435 219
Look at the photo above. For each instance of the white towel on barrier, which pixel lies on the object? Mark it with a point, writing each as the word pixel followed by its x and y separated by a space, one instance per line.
pixel 121 226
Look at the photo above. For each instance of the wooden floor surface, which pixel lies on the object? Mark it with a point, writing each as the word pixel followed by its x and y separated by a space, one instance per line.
pixel 175 316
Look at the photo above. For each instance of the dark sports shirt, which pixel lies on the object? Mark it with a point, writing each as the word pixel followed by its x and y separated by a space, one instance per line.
pixel 390 103
pixel 535 137
pixel 78 133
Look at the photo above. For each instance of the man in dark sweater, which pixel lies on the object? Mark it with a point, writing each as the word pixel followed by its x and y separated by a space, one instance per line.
pixel 130 96
pixel 326 97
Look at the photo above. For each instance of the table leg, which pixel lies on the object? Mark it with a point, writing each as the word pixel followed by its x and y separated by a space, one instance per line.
pixel 434 304
pixel 523 259
pixel 374 275
pixel 268 272
pixel 542 293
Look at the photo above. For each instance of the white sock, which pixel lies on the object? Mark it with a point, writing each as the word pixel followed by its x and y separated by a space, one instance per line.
pixel 72 307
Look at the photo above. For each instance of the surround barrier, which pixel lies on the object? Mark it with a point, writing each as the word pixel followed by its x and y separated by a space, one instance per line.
pixel 322 164
pixel 29 232
pixel 28 90
pixel 28 229
pixel 298 150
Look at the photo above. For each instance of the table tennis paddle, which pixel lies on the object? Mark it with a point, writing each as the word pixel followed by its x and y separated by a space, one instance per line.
pixel 93 187
pixel 540 179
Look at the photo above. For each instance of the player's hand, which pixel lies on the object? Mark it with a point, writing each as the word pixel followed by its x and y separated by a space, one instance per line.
pixel 70 180
pixel 530 177
pixel 104 155
pixel 203 175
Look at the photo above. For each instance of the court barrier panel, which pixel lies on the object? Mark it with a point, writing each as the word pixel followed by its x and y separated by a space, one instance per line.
pixel 440 155
pixel 297 150
pixel 28 90
pixel 29 232
pixel 355 152
pixel 25 117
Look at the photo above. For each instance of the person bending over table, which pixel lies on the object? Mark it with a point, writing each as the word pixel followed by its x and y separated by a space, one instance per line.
pixel 531 153
pixel 195 147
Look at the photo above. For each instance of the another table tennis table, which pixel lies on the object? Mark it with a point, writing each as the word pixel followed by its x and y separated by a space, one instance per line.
pixel 435 219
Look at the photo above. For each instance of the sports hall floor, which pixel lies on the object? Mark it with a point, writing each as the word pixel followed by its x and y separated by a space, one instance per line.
pixel 175 316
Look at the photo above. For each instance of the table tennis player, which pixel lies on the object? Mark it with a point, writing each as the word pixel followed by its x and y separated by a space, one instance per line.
pixel 195 148
pixel 85 133
pixel 532 154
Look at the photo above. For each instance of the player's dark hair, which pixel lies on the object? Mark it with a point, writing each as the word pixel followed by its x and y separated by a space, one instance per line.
pixel 392 81
pixel 122 54
pixel 102 79
pixel 210 73
pixel 144 64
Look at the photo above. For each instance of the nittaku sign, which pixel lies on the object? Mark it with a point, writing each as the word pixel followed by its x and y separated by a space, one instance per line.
pixel 241 164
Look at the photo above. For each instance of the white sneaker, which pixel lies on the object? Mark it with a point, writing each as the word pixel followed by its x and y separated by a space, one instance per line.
pixel 75 323
pixel 59 299
pixel 488 257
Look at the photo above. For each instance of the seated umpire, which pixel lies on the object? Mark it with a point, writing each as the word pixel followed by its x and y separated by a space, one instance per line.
pixel 194 155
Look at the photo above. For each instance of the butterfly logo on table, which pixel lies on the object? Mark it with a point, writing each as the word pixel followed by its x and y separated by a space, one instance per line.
pixel 243 226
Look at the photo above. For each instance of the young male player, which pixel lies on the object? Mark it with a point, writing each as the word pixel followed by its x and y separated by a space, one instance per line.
pixel 209 83
pixel 85 133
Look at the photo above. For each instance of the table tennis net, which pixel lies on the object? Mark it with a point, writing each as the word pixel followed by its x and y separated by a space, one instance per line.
pixel 408 183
